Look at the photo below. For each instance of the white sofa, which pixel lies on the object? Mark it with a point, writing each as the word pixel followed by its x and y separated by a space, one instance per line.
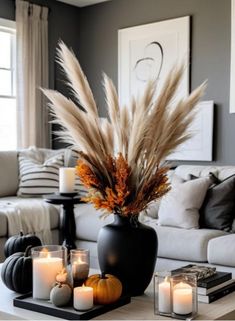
pixel 177 246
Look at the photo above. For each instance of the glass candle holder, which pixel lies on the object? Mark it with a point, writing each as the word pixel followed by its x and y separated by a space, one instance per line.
pixel 184 296
pixel 80 264
pixel 48 261
pixel 162 294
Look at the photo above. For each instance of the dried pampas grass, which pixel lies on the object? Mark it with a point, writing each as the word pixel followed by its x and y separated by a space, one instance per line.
pixel 122 160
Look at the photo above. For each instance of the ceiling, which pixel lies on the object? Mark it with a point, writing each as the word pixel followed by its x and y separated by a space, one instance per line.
pixel 82 3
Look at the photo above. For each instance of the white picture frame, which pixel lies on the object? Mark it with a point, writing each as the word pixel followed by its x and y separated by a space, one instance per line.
pixel 150 51
pixel 232 60
pixel 200 146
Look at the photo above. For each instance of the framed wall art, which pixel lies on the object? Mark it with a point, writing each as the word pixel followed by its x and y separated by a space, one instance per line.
pixel 149 52
pixel 199 146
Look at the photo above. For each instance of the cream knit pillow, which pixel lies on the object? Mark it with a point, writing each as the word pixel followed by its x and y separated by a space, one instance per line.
pixel 180 207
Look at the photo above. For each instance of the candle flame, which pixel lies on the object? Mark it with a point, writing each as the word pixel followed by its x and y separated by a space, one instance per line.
pixel 45 253
pixel 79 261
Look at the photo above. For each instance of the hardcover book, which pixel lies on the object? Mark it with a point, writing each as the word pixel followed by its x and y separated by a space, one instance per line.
pixel 218 278
pixel 217 294
pixel 205 291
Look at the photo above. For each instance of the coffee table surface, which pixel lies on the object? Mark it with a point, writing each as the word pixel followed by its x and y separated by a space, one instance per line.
pixel 140 308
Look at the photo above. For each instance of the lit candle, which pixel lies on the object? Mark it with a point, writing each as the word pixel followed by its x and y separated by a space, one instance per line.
pixel 80 271
pixel 164 296
pixel 67 179
pixel 182 298
pixel 45 269
pixel 83 298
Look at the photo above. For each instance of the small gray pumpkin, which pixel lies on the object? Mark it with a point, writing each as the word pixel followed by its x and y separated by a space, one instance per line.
pixel 60 294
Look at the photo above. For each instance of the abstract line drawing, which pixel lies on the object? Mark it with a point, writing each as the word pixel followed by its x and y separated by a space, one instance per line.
pixel 149 62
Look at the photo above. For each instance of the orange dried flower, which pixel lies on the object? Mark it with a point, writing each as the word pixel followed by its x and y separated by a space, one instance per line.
pixel 86 175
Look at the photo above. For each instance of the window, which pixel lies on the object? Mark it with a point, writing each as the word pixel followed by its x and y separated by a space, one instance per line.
pixel 8 132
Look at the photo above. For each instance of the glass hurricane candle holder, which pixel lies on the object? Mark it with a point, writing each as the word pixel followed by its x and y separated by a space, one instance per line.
pixel 184 296
pixel 80 264
pixel 48 261
pixel 162 294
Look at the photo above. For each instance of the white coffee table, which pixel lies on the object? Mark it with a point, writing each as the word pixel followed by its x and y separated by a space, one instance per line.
pixel 140 308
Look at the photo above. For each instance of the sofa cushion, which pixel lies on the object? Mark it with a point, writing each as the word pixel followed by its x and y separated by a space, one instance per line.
pixel 181 244
pixel 9 171
pixel 218 209
pixel 221 250
pixel 54 212
pixel 88 222
pixel 180 207
pixel 39 171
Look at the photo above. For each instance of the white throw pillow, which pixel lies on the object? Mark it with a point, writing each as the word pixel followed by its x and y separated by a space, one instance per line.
pixel 180 207
pixel 39 171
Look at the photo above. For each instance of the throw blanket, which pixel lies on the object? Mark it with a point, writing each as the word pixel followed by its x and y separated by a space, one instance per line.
pixel 28 216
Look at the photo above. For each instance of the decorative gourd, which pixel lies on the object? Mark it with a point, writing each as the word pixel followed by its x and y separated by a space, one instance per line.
pixel 107 288
pixel 62 276
pixel 60 294
pixel 19 243
pixel 17 272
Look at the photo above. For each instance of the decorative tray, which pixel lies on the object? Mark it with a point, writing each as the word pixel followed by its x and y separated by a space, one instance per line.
pixel 27 302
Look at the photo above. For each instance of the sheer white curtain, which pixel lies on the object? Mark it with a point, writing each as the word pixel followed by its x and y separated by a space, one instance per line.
pixel 32 73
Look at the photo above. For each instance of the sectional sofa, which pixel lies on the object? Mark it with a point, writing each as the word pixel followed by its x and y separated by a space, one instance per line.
pixel 177 246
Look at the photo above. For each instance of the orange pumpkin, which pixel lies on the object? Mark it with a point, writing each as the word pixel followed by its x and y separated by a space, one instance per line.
pixel 107 288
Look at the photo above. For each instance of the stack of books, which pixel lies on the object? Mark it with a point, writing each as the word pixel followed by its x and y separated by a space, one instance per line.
pixel 211 284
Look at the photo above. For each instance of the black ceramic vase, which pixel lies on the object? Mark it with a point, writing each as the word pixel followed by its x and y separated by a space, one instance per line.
pixel 128 250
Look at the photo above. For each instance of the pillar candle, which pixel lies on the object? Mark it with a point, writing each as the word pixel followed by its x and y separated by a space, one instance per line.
pixel 45 270
pixel 164 296
pixel 83 298
pixel 67 179
pixel 182 298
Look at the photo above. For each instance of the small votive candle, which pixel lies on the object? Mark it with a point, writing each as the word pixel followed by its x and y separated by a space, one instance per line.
pixel 67 179
pixel 80 262
pixel 83 298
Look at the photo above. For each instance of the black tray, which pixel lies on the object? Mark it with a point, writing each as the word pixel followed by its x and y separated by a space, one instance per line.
pixel 27 302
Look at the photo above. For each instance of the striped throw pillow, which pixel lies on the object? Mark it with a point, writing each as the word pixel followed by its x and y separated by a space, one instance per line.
pixel 39 172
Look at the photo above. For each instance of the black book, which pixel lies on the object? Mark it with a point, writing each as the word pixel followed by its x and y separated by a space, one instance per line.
pixel 218 278
pixel 208 282
pixel 218 294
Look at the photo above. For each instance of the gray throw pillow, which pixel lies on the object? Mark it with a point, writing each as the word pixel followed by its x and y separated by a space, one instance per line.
pixel 218 209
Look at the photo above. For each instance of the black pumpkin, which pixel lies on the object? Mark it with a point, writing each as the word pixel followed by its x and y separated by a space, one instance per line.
pixel 16 272
pixel 19 243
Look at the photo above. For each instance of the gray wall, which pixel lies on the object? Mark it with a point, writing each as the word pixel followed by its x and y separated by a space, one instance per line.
pixel 210 54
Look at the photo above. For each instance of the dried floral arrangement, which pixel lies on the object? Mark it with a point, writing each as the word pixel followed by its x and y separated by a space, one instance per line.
pixel 122 159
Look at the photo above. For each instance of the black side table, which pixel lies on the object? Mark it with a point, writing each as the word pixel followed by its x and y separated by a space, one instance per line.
pixel 68 226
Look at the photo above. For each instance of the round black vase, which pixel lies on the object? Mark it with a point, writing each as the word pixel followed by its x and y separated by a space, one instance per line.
pixel 128 250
